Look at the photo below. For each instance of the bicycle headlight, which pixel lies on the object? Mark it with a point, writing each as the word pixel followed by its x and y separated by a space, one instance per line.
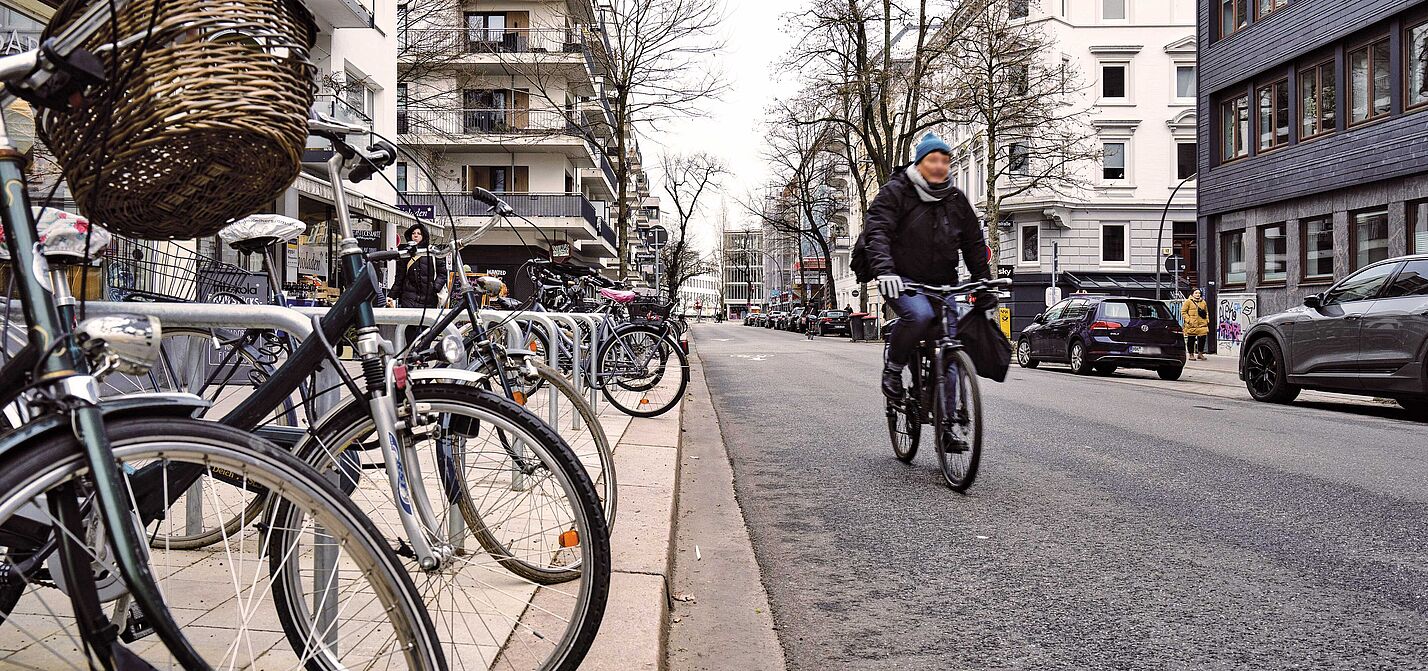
pixel 451 349
pixel 126 344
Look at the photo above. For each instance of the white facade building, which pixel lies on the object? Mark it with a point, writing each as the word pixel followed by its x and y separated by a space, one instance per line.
pixel 700 296
pixel 1138 59
pixel 742 272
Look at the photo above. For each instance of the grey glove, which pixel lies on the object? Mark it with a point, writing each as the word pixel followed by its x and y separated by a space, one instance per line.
pixel 890 286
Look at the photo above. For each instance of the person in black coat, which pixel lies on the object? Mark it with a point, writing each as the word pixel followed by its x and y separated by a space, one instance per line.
pixel 918 227
pixel 420 279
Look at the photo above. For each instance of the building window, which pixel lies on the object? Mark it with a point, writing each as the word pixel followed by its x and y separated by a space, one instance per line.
pixel 1019 79
pixel 1418 227
pixel 1186 155
pixel 1113 10
pixel 1369 82
pixel 1113 161
pixel 1234 15
pixel 1273 111
pixel 1415 66
pixel 1113 244
pixel 1370 236
pixel 1235 128
pixel 1020 8
pixel 1031 243
pixel 402 177
pixel 1318 100
pixel 1318 248
pixel 1273 254
pixel 1264 8
pixel 1018 159
pixel 1232 258
pixel 1113 82
pixel 1184 82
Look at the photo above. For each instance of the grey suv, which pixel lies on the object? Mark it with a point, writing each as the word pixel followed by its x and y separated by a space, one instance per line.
pixel 1366 335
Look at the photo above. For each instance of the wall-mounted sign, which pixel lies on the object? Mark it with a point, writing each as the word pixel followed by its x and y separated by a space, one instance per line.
pixel 419 211
pixel 560 250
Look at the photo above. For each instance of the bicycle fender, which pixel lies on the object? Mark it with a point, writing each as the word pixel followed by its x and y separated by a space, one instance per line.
pixel 153 404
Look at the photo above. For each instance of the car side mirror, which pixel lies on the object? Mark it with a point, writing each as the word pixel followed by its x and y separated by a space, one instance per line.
pixel 1314 301
pixel 1039 318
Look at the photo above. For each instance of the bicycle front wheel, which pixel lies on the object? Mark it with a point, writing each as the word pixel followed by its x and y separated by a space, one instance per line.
pixel 642 371
pixel 233 599
pixel 530 592
pixel 957 418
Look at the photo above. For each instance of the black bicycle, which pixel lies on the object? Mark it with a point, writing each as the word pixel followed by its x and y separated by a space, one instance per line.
pixel 944 392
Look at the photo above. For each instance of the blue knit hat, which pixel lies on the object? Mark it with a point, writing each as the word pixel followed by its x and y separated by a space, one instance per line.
pixel 930 143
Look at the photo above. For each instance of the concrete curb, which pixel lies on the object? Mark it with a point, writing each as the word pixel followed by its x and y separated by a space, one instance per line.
pixel 633 634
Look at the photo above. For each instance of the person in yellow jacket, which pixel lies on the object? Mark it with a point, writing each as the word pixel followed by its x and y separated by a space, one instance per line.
pixel 1196 317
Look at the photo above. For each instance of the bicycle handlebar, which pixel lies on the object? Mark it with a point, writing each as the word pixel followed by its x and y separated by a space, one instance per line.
pixel 484 196
pixel 968 287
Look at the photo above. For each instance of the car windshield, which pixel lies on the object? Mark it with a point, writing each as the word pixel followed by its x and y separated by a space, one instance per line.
pixel 1135 310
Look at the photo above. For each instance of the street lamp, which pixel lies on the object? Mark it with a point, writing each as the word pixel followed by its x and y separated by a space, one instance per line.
pixel 1160 235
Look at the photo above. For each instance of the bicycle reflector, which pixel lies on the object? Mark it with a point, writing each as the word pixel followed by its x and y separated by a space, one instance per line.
pixel 399 377
pixel 570 538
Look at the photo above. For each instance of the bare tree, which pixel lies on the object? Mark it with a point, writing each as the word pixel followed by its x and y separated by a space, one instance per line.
pixel 688 178
pixel 1024 104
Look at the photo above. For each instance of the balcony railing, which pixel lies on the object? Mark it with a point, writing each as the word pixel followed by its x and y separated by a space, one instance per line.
pixel 334 107
pixel 608 234
pixel 484 122
pixel 490 40
pixel 567 205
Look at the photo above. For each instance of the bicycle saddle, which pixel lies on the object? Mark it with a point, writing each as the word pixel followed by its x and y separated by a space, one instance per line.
pixel 64 235
pixel 257 232
pixel 618 296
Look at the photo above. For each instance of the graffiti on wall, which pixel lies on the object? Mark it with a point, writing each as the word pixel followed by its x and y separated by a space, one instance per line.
pixel 1236 314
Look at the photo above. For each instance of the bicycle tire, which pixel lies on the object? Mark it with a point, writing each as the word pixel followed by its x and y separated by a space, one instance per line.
pixel 57 459
pixel 589 442
pixel 904 428
pixel 958 474
pixel 628 338
pixel 485 413
pixel 286 415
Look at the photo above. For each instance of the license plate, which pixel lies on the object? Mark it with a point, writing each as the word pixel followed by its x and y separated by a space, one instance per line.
pixel 1144 349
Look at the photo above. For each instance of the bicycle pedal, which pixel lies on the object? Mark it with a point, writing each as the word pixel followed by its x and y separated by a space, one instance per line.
pixel 136 626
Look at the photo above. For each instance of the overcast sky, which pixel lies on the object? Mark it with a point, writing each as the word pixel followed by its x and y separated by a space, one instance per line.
pixel 732 129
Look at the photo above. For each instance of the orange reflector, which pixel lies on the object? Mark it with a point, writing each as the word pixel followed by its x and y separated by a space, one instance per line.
pixel 644 401
pixel 569 539
pixel 519 397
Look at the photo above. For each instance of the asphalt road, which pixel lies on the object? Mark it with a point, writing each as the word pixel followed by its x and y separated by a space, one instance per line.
pixel 1112 526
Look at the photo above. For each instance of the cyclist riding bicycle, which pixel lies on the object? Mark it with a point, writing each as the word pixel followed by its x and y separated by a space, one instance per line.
pixel 917 228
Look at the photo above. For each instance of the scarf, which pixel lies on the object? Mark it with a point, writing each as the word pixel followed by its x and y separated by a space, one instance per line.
pixel 928 192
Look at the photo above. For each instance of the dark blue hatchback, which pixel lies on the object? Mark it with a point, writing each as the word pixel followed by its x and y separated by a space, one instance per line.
pixel 1102 333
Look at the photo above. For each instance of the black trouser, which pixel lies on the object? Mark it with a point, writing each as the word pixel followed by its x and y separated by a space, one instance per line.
pixel 1194 344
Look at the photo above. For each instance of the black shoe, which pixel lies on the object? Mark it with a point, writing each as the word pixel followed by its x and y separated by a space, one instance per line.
pixel 892 383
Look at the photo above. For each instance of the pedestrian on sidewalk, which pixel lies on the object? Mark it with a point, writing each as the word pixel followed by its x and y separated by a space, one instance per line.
pixel 1196 317
pixel 419 279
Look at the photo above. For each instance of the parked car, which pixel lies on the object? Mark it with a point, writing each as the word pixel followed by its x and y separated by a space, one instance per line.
pixel 830 321
pixel 754 319
pixel 775 320
pixel 1103 333
pixel 1366 335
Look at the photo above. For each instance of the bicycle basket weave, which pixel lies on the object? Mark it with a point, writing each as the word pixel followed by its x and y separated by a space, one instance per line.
pixel 650 309
pixel 208 127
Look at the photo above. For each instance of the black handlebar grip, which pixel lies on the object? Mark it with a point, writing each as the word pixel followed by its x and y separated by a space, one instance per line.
pixel 390 255
pixel 377 158
pixel 484 196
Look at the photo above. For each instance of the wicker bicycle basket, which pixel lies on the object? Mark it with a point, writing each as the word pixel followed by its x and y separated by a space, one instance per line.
pixel 201 121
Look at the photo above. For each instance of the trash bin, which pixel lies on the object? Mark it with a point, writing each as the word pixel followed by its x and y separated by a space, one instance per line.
pixel 863 326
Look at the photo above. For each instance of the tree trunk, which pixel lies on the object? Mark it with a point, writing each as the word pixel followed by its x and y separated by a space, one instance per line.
pixel 993 210
pixel 622 210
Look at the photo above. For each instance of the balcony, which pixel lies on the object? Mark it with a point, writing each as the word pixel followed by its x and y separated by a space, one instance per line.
pixel 334 107
pixel 495 41
pixel 496 129
pixel 535 206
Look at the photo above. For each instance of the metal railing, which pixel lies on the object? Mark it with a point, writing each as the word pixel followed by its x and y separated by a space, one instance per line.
pixel 608 234
pixel 570 205
pixel 608 169
pixel 491 121
pixel 491 40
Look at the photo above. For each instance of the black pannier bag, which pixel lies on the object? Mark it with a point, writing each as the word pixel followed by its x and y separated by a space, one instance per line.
pixel 984 342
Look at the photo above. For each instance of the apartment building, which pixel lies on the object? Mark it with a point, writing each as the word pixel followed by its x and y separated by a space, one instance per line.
pixel 742 272
pixel 700 296
pixel 1138 60
pixel 504 95
pixel 1314 159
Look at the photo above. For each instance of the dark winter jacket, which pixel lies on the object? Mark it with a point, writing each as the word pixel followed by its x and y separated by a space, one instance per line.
pixel 416 286
pixel 920 240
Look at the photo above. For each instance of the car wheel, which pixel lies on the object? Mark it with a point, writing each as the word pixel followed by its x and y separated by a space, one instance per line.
pixel 1171 374
pixel 1079 364
pixel 1265 374
pixel 1417 408
pixel 1023 354
pixel 1105 369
